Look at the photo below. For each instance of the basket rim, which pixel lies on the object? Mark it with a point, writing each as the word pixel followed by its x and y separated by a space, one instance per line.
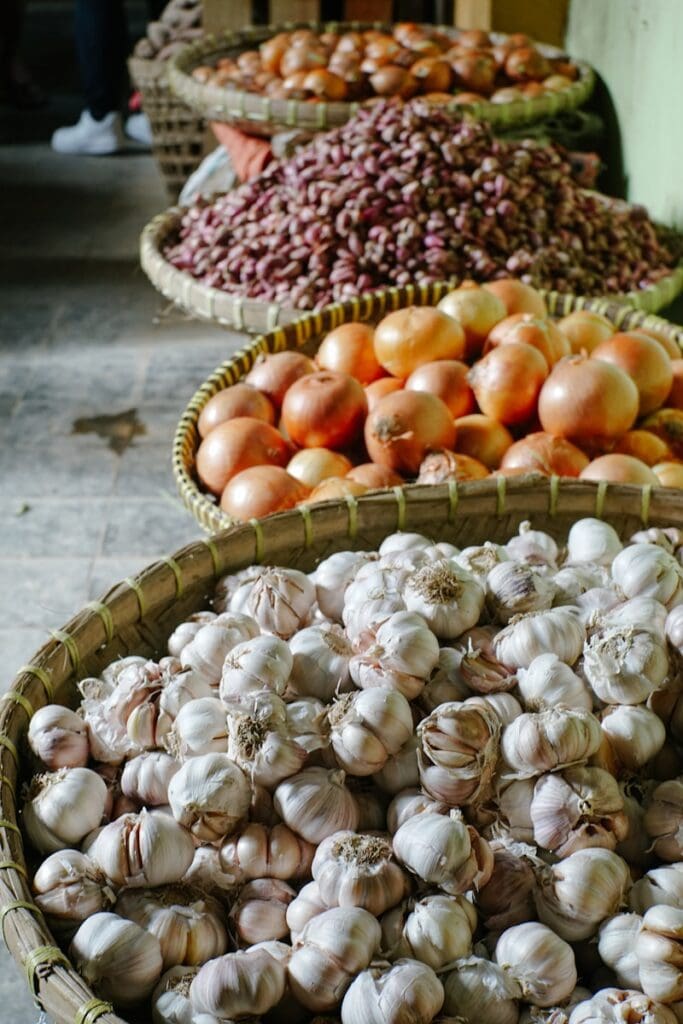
pixel 219 104
pixel 304 330
pixel 243 314
pixel 55 984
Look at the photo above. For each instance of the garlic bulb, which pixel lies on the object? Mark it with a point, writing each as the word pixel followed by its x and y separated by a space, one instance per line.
pixel 206 874
pixel 255 851
pixel 358 871
pixel 121 961
pixel 332 948
pixel 400 771
pixel 307 905
pixel 315 803
pixel 614 1005
pixel 513 588
pixel 144 849
pixel 59 737
pixel 259 741
pixel 576 895
pixel 146 777
pixel 402 656
pixel 406 991
pixel 68 887
pixel 480 669
pixel 444 851
pixel 436 930
pixel 646 570
pixel 261 664
pixel 458 751
pixel 232 591
pixel 200 728
pixel 209 795
pixel 448 598
pixel 188 925
pixel 573 580
pixel 514 809
pixel 445 682
pixel 507 898
pixel 332 577
pixel 673 627
pixel 616 945
pixel 62 807
pixel 533 546
pixel 480 992
pixel 259 912
pixel 171 999
pixel 591 540
pixel 367 727
pixel 624 664
pixel 111 673
pixel 660 886
pixel 635 734
pixel 320 662
pixel 596 604
pixel 541 963
pixel 641 612
pixel 280 601
pixel 545 741
pixel 479 559
pixel 557 629
pixel 582 807
pixel 659 952
pixel 187 631
pixel 409 802
pixel 208 650
pixel 403 540
pixel 505 705
pixel 307 723
pixel 663 820
pixel 239 985
pixel 374 595
pixel 549 683
pixel 181 689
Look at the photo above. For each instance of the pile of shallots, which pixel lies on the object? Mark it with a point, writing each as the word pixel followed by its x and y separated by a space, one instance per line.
pixel 417 784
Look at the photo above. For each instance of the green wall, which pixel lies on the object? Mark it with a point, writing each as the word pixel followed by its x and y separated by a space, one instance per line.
pixel 636 46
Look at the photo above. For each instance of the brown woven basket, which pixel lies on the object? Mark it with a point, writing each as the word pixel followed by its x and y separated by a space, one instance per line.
pixel 262 115
pixel 178 133
pixel 138 615
pixel 242 314
pixel 307 333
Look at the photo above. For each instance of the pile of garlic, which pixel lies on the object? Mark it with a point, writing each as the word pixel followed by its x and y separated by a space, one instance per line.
pixel 416 785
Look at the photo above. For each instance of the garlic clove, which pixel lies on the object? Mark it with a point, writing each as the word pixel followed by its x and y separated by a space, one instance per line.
pixel 616 945
pixel 188 925
pixel 659 886
pixel 663 819
pixel 145 849
pixel 458 752
pixel 659 950
pixel 613 1005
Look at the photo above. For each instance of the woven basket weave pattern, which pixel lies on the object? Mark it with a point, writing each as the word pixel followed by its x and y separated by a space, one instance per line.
pixel 178 133
pixel 307 332
pixel 264 115
pixel 137 616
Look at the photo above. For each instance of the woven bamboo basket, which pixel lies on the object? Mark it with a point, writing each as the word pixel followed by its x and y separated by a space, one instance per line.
pixel 262 115
pixel 178 133
pixel 243 314
pixel 307 333
pixel 138 615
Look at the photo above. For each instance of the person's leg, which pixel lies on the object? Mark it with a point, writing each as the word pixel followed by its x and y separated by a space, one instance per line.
pixel 101 43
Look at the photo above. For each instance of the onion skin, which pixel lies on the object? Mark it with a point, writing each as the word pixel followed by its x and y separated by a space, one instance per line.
pixel 478 311
pixel 669 474
pixel 585 330
pixel 439 467
pixel 404 427
pixel 482 438
pixel 447 379
pixel 349 349
pixel 667 343
pixel 619 469
pixel 313 465
pixel 335 487
pixel 531 330
pixel 675 397
pixel 410 337
pixel 543 453
pixel 507 382
pixel 668 424
pixel 373 476
pixel 379 388
pixel 324 410
pixel 239 400
pixel 236 445
pixel 518 297
pixel 645 361
pixel 274 373
pixel 584 399
pixel 260 491
pixel 643 445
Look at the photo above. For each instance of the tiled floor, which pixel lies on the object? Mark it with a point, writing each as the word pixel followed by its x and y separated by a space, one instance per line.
pixel 82 334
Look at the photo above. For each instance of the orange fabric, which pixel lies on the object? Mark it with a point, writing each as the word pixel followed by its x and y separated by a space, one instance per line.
pixel 249 155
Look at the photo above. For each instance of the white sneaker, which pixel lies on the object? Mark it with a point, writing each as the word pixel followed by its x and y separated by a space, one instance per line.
pixel 137 127
pixel 90 137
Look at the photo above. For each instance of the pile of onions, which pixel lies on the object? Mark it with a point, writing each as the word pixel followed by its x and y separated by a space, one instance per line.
pixel 484 383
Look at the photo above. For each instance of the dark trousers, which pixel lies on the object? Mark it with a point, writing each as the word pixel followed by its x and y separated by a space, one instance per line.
pixel 102 47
